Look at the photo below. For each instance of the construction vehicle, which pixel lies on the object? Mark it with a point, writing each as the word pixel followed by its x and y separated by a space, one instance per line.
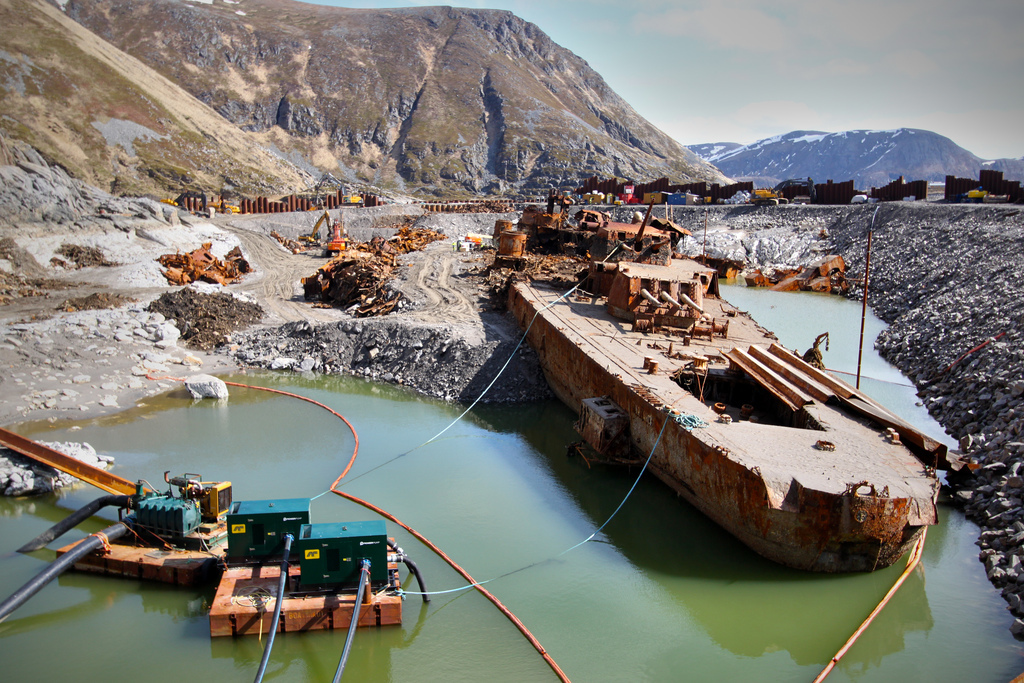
pixel 190 200
pixel 807 184
pixel 314 235
pixel 338 242
pixel 777 195
pixel 767 197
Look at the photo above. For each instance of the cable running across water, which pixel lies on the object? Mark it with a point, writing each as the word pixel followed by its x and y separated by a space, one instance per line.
pixel 383 513
pixel 491 384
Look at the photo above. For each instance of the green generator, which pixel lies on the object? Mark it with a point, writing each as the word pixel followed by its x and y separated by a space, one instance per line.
pixel 256 528
pixel 330 554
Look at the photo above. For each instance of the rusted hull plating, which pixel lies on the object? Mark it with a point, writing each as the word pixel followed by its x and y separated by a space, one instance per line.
pixel 809 530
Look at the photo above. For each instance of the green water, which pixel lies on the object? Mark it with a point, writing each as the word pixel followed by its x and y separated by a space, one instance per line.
pixel 660 595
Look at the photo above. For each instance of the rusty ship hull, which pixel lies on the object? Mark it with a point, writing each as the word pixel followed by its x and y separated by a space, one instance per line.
pixel 769 481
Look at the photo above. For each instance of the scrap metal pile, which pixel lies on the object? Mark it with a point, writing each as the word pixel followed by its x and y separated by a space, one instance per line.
pixel 359 280
pixel 182 269
pixel 828 274
pixel 291 245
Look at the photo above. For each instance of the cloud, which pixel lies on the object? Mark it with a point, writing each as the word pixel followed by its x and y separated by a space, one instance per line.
pixel 731 25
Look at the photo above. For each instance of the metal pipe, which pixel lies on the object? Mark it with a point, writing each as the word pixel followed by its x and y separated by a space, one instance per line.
pixel 288 538
pixel 364 578
pixel 687 300
pixel 864 305
pixel 647 295
pixel 704 249
pixel 667 298
pixel 59 566
pixel 73 520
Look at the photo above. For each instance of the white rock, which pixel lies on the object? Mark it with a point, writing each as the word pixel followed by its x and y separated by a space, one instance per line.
pixel 282 363
pixel 167 332
pixel 206 386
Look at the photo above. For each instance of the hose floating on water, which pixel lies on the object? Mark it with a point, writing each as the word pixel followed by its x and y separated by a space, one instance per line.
pixel 73 520
pixel 288 538
pixel 59 566
pixel 364 578
pixel 915 557
pixel 486 593
pixel 497 603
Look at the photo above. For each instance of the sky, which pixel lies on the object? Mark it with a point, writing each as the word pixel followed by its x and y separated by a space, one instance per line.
pixel 740 71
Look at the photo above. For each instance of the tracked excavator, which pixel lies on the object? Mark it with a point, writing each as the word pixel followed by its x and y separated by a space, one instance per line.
pixel 338 241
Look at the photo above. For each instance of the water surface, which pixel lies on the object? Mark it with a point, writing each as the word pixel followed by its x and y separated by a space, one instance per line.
pixel 661 595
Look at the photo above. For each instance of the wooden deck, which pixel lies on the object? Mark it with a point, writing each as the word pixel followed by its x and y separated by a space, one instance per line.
pixel 242 608
pixel 179 567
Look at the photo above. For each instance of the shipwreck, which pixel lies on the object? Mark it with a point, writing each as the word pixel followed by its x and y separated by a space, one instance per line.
pixel 798 465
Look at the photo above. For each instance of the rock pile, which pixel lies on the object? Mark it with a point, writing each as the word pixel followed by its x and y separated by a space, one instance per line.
pixel 21 476
pixel 427 358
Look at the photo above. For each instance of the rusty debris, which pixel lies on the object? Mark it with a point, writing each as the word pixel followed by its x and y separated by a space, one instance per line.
pixel 828 275
pixel 293 246
pixel 360 279
pixel 408 239
pixel 182 269
pixel 74 256
pixel 354 282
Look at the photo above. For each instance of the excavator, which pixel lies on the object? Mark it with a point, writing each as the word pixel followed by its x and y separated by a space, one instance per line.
pixel 775 196
pixel 338 241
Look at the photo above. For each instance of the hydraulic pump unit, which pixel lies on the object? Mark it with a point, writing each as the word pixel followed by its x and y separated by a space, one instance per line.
pixel 168 516
pixel 330 554
pixel 256 528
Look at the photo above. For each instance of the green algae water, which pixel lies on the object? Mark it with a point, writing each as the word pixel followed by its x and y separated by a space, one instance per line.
pixel 661 594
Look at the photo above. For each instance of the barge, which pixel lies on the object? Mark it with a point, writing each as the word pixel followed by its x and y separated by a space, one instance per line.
pixel 801 467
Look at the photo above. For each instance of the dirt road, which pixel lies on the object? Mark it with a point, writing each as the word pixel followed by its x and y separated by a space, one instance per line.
pixel 277 281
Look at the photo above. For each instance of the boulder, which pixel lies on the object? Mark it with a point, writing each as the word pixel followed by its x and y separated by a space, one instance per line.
pixel 206 386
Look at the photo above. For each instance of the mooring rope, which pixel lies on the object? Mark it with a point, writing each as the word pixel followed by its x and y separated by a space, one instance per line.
pixel 492 382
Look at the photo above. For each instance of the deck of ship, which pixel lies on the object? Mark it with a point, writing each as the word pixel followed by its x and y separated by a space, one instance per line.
pixel 779 468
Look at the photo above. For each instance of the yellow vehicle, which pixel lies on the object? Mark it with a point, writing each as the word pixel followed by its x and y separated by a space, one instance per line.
pixel 314 235
pixel 767 197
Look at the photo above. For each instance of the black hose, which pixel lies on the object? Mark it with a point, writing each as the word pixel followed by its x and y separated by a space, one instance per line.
pixel 419 577
pixel 73 520
pixel 277 608
pixel 412 568
pixel 59 566
pixel 364 578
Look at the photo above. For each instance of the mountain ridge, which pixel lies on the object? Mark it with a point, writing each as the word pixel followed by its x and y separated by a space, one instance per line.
pixel 432 99
pixel 872 158
pixel 111 121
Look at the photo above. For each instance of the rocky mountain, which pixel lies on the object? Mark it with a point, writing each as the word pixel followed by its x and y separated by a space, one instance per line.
pixel 430 99
pixel 113 122
pixel 871 157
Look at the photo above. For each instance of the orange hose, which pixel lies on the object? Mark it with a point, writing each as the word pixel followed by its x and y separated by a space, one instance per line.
pixel 915 557
pixel 387 515
pixel 355 450
pixel 486 593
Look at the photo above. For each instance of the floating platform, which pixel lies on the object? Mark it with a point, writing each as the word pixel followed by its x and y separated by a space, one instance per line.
pixel 243 605
pixel 179 567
